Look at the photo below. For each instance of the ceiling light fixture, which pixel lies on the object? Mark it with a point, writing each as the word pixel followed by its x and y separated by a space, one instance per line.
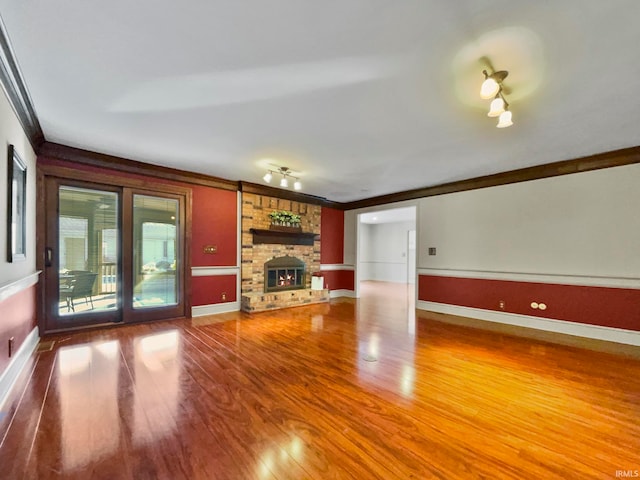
pixel 492 88
pixel 284 181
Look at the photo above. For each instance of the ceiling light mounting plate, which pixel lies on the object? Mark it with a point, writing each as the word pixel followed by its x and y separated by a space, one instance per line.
pixel 498 76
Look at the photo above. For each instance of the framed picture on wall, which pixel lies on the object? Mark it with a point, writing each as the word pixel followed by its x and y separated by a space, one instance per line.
pixel 16 206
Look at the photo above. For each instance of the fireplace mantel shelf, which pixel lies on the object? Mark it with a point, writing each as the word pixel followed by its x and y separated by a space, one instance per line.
pixel 283 238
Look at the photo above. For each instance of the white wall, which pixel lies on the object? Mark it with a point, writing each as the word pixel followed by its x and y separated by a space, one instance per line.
pixel 383 251
pixel 11 133
pixel 582 224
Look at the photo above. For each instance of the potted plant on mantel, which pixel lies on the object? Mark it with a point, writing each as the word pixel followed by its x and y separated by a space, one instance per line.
pixel 284 221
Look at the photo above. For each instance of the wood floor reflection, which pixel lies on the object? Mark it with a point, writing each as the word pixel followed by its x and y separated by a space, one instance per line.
pixel 352 389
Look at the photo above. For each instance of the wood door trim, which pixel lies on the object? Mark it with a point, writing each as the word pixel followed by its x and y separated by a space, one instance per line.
pixel 152 184
pixel 101 160
pixel 63 174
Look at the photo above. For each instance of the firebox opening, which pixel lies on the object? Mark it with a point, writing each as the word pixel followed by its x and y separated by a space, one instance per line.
pixel 284 273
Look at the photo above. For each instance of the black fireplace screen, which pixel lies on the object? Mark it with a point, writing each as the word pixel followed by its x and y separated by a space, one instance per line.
pixel 284 273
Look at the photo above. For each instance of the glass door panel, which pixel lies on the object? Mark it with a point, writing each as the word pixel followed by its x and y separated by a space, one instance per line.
pixel 82 281
pixel 88 250
pixel 155 263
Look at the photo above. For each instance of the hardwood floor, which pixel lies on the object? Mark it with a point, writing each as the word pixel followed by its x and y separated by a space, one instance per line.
pixel 351 389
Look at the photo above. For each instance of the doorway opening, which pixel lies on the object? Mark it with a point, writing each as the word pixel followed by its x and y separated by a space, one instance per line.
pixel 386 253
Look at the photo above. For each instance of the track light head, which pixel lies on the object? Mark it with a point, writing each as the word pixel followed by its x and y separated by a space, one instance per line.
pixel 505 120
pixel 497 107
pixel 492 83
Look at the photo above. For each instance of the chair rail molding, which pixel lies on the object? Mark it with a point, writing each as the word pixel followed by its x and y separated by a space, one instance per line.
pixel 11 288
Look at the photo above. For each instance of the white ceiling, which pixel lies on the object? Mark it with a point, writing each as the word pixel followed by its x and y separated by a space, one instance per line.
pixel 359 97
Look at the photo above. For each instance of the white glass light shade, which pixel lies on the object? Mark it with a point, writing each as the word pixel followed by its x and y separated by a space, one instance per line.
pixel 489 88
pixel 297 185
pixel 505 119
pixel 497 107
pixel 267 178
pixel 284 183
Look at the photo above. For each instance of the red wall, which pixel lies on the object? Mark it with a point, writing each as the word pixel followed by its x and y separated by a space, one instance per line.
pixel 339 279
pixel 209 290
pixel 18 318
pixel 609 307
pixel 332 236
pixel 214 223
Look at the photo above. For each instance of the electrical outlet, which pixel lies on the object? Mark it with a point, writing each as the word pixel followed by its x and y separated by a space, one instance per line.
pixel 432 250
pixel 224 296
pixel 501 304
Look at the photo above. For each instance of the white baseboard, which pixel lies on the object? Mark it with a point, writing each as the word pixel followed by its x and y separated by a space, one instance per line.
pixel 17 363
pixel 202 310
pixel 609 334
pixel 342 293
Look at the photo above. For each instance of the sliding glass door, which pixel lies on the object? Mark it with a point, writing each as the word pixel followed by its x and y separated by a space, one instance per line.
pixel 112 254
pixel 83 260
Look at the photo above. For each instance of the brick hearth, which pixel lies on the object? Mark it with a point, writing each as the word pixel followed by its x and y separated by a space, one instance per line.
pixel 259 302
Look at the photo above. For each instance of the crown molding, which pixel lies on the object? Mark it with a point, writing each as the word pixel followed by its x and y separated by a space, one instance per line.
pixel 267 191
pixel 16 90
pixel 102 160
pixel 615 158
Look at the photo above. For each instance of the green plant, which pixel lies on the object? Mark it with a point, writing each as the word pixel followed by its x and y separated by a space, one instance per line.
pixel 282 216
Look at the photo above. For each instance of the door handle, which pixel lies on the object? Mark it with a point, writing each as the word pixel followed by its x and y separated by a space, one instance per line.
pixel 48 256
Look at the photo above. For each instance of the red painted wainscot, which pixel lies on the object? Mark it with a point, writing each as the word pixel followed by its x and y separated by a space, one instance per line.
pixel 339 279
pixel 608 307
pixel 18 319
pixel 209 290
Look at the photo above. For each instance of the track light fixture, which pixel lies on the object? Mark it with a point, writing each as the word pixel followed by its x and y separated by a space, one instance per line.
pixel 492 88
pixel 286 175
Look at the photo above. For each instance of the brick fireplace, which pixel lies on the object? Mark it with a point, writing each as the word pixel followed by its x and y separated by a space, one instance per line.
pixel 258 250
